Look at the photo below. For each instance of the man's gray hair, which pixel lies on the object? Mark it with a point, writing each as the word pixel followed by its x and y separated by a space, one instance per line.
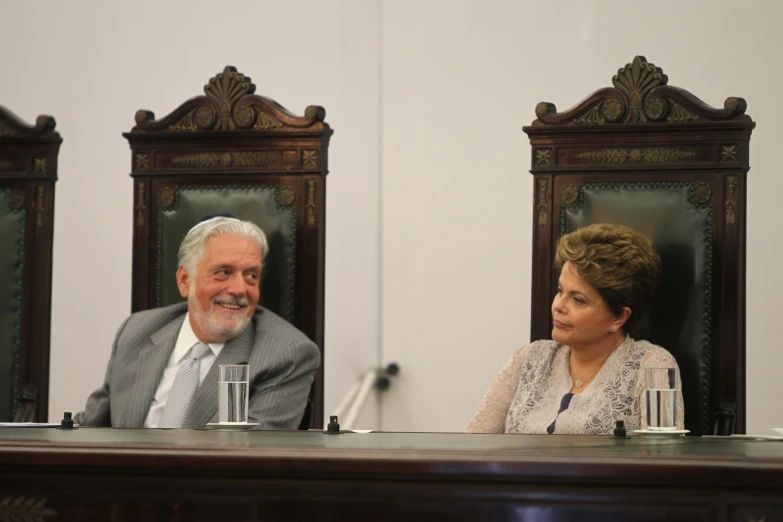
pixel 192 247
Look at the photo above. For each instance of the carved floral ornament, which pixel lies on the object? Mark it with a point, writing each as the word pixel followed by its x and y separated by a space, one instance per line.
pixel 286 196
pixel 543 157
pixel 166 197
pixel 569 194
pixel 39 165
pixel 24 508
pixel 309 158
pixel 141 206
pixel 229 103
pixel 311 205
pixel 543 207
pixel 701 193
pixel 226 159
pixel 39 206
pixel 731 200
pixel 728 153
pixel 16 200
pixel 640 95
pixel 651 155
pixel 142 161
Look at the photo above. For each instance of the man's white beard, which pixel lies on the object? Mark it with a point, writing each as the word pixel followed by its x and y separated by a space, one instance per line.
pixel 208 320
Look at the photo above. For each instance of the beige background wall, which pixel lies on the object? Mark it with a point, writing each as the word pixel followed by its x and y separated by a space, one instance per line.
pixel 459 81
pixel 429 200
pixel 93 64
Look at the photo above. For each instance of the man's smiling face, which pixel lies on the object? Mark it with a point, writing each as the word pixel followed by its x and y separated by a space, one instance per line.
pixel 223 290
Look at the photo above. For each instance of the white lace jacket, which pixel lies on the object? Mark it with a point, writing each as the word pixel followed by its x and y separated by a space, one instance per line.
pixel 525 396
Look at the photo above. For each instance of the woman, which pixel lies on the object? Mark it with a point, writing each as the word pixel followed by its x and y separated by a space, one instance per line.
pixel 592 373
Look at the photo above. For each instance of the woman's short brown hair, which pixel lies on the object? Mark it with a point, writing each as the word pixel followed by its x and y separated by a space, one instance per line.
pixel 620 263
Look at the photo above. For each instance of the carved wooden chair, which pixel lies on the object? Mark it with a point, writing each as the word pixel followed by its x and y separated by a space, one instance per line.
pixel 234 151
pixel 28 172
pixel 658 159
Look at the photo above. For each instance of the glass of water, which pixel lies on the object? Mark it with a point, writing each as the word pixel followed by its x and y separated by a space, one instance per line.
pixel 233 393
pixel 662 388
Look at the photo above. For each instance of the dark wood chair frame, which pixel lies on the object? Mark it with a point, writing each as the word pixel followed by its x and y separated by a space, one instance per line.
pixel 231 136
pixel 642 130
pixel 28 172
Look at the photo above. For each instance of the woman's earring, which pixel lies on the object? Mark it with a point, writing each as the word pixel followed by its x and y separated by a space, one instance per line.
pixel 613 329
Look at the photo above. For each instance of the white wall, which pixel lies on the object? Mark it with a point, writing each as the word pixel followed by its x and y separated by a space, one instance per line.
pixel 429 200
pixel 93 64
pixel 460 79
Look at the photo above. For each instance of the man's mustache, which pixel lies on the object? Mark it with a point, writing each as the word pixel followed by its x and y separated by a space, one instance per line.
pixel 231 300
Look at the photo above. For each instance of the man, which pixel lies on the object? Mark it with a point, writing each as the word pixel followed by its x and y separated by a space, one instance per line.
pixel 163 370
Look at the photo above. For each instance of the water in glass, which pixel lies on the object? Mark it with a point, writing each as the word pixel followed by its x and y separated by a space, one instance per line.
pixel 232 401
pixel 661 409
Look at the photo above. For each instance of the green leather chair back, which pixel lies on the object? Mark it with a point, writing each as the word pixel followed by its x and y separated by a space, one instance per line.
pixel 12 238
pixel 679 318
pixel 257 203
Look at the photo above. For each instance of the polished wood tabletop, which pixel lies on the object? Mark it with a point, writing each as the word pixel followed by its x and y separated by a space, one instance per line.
pixel 453 475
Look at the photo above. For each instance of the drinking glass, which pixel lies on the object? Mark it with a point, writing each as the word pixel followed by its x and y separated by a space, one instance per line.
pixel 233 393
pixel 662 387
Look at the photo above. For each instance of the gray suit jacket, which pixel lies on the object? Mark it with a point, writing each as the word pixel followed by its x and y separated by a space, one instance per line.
pixel 282 364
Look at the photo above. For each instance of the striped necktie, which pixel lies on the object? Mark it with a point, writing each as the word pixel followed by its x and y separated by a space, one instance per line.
pixel 175 413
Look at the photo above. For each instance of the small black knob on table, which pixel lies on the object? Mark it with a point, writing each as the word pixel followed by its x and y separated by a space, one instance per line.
pixel 619 430
pixel 333 428
pixel 67 422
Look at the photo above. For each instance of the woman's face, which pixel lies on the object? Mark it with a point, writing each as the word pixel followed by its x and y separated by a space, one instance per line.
pixel 580 315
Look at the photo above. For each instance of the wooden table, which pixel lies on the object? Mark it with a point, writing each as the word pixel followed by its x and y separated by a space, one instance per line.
pixel 181 475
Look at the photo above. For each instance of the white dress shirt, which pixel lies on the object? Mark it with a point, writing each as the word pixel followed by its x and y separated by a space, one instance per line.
pixel 185 341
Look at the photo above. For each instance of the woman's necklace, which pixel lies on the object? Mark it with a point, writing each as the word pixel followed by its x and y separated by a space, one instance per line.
pixel 579 382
